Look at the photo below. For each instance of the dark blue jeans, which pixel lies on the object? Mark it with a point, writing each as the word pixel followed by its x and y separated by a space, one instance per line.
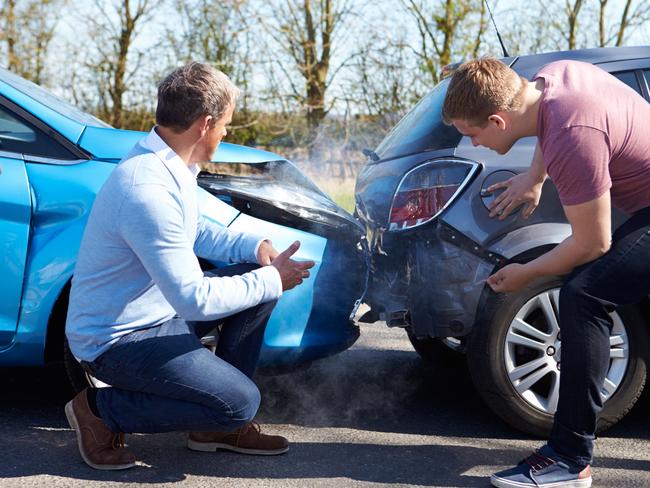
pixel 590 293
pixel 163 379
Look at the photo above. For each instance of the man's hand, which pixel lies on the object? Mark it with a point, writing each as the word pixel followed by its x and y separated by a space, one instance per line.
pixel 266 253
pixel 512 277
pixel 520 189
pixel 291 272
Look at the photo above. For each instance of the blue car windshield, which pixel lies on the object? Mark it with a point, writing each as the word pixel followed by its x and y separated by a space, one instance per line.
pixel 50 100
pixel 422 129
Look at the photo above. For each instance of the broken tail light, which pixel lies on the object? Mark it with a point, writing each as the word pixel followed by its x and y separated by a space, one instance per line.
pixel 427 190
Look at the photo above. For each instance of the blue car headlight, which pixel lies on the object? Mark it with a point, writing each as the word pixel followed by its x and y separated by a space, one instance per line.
pixel 276 191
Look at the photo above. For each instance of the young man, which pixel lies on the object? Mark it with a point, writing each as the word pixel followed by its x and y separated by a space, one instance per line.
pixel 140 302
pixel 593 143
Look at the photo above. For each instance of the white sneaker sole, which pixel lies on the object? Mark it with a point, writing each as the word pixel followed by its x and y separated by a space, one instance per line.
pixel 216 446
pixel 72 420
pixel 504 483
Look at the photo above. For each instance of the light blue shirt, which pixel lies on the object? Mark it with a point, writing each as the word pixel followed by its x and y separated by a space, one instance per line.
pixel 137 264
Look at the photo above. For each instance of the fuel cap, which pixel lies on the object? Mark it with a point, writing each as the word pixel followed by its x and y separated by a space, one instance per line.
pixel 491 179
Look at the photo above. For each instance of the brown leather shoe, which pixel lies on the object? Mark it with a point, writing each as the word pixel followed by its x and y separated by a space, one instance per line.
pixel 245 440
pixel 99 447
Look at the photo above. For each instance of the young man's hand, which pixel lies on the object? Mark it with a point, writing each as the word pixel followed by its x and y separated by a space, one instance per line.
pixel 519 190
pixel 291 272
pixel 266 253
pixel 512 277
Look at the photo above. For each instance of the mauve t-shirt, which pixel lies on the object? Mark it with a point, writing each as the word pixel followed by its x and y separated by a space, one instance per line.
pixel 594 137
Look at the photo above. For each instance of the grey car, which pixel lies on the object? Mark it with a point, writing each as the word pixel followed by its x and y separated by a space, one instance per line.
pixel 422 198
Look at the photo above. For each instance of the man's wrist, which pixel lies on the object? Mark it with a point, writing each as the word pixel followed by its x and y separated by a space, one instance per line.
pixel 257 248
pixel 536 177
pixel 533 270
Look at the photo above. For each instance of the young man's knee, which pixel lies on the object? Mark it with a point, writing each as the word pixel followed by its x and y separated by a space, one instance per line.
pixel 571 290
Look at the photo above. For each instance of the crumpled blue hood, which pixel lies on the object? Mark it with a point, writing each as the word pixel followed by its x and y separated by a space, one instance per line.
pixel 113 144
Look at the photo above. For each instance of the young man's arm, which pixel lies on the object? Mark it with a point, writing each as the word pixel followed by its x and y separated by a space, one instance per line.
pixel 590 238
pixel 524 188
pixel 579 166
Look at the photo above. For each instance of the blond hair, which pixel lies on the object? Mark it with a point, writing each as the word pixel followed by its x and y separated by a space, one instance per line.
pixel 480 88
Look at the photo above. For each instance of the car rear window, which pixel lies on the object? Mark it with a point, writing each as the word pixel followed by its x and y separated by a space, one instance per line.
pixel 629 78
pixel 422 129
pixel 646 72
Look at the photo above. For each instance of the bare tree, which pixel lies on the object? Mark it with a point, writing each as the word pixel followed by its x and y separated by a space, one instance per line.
pixel 219 33
pixel 572 11
pixel 213 32
pixel 9 34
pixel 482 26
pixel 443 29
pixel 633 14
pixel 26 30
pixel 112 33
pixel 307 31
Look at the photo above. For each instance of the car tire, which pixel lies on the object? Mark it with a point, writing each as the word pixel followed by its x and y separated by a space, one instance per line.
pixel 76 375
pixel 493 352
pixel 435 352
pixel 78 378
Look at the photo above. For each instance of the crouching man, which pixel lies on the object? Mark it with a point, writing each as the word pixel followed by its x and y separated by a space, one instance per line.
pixel 140 302
pixel 593 143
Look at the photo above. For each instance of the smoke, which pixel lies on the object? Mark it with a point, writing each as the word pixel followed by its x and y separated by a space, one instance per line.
pixel 360 386
pixel 357 386
pixel 334 149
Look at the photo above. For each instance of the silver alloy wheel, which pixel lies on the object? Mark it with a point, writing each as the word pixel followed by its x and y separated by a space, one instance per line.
pixel 533 352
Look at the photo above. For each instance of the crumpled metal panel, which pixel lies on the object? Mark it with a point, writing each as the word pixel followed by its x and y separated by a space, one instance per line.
pixel 446 286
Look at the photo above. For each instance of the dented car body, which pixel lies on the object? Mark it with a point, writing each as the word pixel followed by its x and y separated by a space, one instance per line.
pixel 422 196
pixel 275 193
pixel 54 159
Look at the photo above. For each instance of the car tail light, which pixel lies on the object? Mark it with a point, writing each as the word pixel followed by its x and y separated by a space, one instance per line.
pixel 427 190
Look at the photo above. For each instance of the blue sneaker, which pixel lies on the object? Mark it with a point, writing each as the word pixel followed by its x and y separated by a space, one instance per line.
pixel 544 468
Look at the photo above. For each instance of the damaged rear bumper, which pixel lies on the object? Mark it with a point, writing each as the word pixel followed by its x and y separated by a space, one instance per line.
pixel 429 281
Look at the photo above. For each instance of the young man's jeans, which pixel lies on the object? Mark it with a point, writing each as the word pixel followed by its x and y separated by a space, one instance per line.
pixel 163 379
pixel 590 293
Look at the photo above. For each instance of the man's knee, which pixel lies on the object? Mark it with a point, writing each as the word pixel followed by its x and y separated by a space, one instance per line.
pixel 581 308
pixel 571 291
pixel 267 307
pixel 574 302
pixel 244 402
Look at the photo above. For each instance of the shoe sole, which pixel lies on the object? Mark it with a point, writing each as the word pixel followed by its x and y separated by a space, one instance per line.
pixel 504 483
pixel 72 420
pixel 216 446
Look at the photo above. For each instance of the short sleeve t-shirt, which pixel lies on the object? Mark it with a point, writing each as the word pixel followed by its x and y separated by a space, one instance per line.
pixel 594 137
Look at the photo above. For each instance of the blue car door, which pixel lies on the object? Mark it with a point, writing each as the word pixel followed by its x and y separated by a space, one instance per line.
pixel 15 215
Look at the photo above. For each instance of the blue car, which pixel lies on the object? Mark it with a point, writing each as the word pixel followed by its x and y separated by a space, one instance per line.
pixel 53 160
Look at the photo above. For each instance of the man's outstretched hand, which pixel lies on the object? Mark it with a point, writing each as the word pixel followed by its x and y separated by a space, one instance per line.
pixel 291 272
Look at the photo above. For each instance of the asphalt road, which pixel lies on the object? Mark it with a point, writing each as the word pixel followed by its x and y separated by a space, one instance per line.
pixel 375 415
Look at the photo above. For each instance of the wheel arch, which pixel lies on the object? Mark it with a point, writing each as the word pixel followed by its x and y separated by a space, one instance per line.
pixel 56 325
pixel 523 240
pixel 524 256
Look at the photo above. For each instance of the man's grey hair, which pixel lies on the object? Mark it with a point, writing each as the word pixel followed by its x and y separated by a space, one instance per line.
pixel 193 91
